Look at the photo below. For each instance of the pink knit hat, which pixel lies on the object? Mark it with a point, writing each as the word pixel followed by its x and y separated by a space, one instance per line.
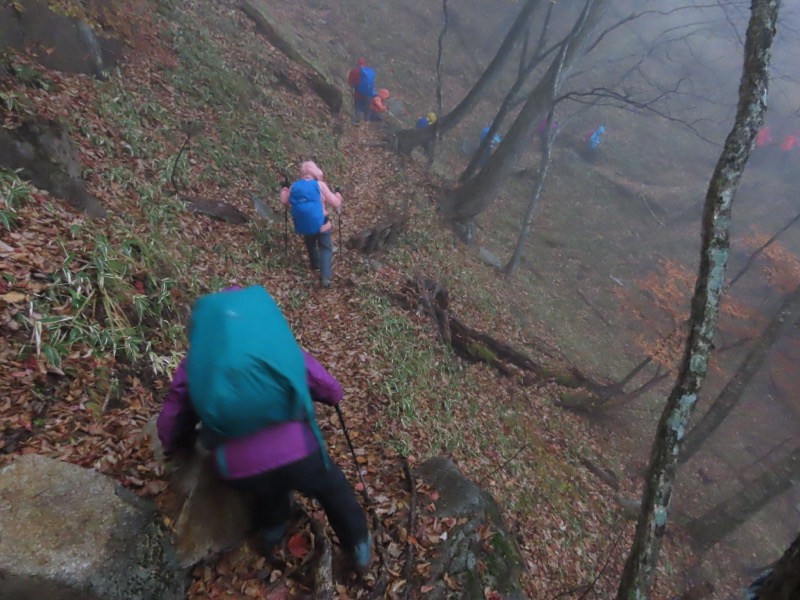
pixel 309 169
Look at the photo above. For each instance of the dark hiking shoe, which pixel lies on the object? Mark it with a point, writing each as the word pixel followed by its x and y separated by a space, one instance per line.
pixel 268 538
pixel 361 556
pixel 326 283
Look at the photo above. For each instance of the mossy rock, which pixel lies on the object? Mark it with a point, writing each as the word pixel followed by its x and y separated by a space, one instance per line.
pixel 480 352
pixel 465 553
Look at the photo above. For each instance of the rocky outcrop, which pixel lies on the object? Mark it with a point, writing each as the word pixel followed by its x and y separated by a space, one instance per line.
pixel 211 517
pixel 56 41
pixel 44 152
pixel 69 533
pixel 465 549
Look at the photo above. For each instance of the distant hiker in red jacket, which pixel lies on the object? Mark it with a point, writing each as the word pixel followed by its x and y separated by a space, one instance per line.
pixel 788 147
pixel 378 105
pixel 362 82
pixel 764 137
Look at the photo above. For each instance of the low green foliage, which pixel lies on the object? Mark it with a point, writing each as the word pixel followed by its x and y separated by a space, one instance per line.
pixel 13 193
pixel 107 298
pixel 417 379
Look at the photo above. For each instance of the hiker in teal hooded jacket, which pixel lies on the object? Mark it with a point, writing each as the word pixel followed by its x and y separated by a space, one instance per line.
pixel 309 198
pixel 239 337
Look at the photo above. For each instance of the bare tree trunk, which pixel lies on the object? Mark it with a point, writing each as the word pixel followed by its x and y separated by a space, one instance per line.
pixel 476 195
pixel 639 568
pixel 538 56
pixel 513 263
pixel 733 391
pixel 783 582
pixel 723 519
pixel 408 139
pixel 442 33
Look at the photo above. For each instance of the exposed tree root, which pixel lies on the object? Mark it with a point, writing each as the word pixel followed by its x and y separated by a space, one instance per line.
pixel 375 238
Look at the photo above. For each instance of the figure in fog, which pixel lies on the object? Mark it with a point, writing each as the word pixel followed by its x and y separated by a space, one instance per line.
pixel 362 82
pixel 496 139
pixel 422 123
pixel 377 107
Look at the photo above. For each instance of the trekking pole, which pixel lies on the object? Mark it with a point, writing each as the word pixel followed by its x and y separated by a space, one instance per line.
pixel 339 212
pixel 286 184
pixel 353 452
pixel 285 230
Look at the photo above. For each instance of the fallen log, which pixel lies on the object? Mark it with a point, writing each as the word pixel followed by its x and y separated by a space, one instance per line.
pixel 329 93
pixel 476 346
pixel 375 238
pixel 216 209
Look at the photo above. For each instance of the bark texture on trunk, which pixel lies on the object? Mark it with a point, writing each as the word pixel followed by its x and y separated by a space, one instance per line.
pixel 639 568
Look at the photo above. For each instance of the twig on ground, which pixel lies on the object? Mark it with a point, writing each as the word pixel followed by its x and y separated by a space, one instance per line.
pixel 506 463
pixel 609 556
pixel 647 204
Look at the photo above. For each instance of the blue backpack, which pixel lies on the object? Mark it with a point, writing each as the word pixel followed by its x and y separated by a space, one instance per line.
pixel 305 199
pixel 366 83
pixel 245 370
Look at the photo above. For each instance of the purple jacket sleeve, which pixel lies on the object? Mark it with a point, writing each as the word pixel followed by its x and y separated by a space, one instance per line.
pixel 177 420
pixel 323 385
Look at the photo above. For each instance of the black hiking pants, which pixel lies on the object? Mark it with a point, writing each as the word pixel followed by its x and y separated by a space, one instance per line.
pixel 309 477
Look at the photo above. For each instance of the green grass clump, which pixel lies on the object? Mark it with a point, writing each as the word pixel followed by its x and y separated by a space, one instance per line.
pixel 13 193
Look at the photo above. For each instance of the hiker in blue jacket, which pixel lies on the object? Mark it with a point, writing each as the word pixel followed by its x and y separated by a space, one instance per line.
pixel 308 198
pixel 496 139
pixel 362 82
pixel 423 122
pixel 596 138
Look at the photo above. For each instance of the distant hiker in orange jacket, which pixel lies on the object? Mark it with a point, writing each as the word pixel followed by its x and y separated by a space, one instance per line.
pixel 378 105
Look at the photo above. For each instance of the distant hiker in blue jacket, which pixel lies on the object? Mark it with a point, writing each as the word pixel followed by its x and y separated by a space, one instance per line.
pixel 422 123
pixel 597 137
pixel 362 81
pixel 496 139
pixel 308 198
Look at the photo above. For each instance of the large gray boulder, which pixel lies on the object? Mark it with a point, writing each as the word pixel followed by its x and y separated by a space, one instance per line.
pixel 55 40
pixel 462 552
pixel 44 152
pixel 69 533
